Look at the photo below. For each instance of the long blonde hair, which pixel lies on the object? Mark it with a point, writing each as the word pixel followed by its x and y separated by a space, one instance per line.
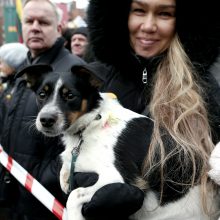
pixel 178 109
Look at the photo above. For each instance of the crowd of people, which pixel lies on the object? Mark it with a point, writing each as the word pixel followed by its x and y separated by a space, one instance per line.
pixel 156 57
pixel 38 155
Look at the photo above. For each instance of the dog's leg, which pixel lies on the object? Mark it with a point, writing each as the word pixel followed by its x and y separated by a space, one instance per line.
pixel 75 201
pixel 65 169
pixel 214 161
pixel 77 198
pixel 64 178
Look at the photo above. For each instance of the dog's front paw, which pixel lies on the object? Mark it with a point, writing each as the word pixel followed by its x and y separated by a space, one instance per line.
pixel 64 179
pixel 75 202
pixel 214 162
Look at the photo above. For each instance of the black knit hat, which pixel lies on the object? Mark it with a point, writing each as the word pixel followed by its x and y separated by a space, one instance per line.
pixel 81 30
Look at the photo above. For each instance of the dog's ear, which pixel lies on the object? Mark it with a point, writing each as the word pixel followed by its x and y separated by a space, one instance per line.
pixel 33 73
pixel 86 73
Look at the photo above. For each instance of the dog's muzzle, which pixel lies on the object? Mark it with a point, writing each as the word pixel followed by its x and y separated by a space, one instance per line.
pixel 49 124
pixel 48 120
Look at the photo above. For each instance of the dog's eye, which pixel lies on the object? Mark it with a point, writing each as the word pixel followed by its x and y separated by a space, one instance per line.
pixel 42 95
pixel 70 96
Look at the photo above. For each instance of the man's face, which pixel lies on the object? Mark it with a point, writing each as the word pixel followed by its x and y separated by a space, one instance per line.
pixel 40 26
pixel 79 43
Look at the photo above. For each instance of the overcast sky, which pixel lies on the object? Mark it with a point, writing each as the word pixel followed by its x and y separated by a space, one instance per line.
pixel 79 3
pixel 82 3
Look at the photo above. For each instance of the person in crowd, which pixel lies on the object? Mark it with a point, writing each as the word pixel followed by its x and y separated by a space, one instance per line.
pixel 214 161
pixel 38 154
pixel 79 41
pixel 215 68
pixel 12 55
pixel 67 34
pixel 155 55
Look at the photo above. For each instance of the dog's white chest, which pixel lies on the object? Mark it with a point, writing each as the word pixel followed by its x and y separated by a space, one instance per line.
pixel 96 151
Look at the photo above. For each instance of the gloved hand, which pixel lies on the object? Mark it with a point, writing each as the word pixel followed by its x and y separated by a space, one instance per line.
pixel 115 201
pixel 84 179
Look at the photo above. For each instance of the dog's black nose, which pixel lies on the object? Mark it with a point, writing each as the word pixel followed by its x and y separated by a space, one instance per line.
pixel 47 120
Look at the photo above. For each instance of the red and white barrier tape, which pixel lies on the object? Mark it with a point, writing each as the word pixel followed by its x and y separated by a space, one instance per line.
pixel 32 185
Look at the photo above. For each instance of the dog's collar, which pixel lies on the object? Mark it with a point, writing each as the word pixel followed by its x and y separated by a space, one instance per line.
pixel 98 116
pixel 75 153
pixel 79 133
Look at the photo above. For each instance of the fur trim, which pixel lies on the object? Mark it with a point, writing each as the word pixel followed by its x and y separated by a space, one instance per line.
pixel 107 23
pixel 198 25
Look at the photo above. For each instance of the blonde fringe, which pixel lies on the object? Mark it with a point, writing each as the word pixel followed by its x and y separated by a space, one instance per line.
pixel 179 110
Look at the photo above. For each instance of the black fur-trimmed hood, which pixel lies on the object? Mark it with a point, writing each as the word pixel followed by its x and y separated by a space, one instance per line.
pixel 198 25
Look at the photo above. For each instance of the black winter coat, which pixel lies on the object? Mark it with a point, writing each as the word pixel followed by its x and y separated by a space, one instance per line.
pixel 38 154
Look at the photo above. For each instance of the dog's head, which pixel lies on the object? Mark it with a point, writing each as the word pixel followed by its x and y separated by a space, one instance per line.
pixel 63 97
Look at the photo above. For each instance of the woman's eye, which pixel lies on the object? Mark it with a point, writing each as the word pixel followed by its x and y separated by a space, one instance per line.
pixel 42 95
pixel 137 10
pixel 166 14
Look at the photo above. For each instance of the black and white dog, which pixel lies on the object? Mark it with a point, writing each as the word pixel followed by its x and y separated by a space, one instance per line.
pixel 100 136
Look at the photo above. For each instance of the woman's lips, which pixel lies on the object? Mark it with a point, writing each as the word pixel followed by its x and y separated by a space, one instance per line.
pixel 147 42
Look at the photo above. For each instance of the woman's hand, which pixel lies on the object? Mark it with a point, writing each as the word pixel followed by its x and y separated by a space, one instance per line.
pixel 114 201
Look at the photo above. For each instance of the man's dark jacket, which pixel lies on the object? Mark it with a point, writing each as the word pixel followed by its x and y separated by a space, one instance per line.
pixel 38 154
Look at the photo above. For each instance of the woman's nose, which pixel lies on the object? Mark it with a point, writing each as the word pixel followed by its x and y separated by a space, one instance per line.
pixel 149 23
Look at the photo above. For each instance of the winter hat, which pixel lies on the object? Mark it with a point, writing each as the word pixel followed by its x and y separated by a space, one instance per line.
pixel 13 54
pixel 81 30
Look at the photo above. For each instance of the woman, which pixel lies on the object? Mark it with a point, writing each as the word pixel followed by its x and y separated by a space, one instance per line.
pixel 150 72
pixel 12 55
